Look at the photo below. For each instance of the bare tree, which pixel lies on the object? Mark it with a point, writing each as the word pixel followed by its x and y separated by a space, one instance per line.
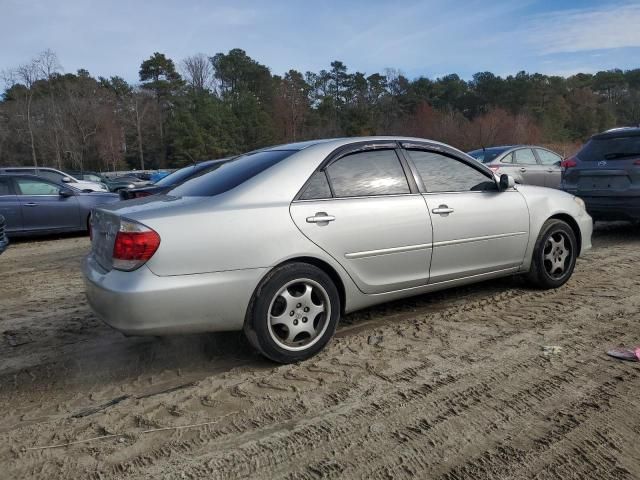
pixel 198 72
pixel 26 76
pixel 50 67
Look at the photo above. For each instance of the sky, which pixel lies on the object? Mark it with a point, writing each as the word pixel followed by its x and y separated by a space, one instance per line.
pixel 428 38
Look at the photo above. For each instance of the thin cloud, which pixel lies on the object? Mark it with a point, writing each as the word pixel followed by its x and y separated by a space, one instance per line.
pixel 613 26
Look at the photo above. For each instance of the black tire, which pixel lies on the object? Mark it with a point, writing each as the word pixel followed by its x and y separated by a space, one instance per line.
pixel 550 267
pixel 281 341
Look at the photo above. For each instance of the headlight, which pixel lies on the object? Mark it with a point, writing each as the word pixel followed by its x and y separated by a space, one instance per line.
pixel 580 202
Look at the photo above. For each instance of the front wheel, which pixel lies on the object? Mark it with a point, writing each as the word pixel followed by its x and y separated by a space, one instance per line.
pixel 554 256
pixel 293 314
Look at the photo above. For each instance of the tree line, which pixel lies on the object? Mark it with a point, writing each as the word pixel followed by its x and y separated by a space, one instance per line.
pixel 215 106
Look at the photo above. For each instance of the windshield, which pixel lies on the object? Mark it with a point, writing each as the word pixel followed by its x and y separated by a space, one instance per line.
pixel 230 174
pixel 612 148
pixel 486 155
pixel 185 173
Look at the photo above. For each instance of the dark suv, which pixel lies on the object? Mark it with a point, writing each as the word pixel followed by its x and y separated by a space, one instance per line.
pixel 605 173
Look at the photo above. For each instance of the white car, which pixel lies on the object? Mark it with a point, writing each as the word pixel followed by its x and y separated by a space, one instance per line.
pixel 58 177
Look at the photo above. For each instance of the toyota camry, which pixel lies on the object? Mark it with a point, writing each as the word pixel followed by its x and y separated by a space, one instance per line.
pixel 282 241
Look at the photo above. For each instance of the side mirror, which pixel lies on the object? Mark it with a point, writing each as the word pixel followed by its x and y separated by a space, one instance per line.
pixel 66 180
pixel 66 193
pixel 506 182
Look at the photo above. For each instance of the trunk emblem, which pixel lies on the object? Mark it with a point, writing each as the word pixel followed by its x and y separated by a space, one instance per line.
pixel 602 163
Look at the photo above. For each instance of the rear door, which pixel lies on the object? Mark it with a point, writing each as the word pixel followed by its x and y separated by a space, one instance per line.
pixel 476 228
pixel 10 207
pixel 552 169
pixel 365 212
pixel 528 168
pixel 43 208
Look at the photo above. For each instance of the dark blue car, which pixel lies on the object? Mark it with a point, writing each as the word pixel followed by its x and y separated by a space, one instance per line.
pixel 605 173
pixel 33 205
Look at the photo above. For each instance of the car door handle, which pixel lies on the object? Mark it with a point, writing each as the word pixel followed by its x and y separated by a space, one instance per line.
pixel 443 210
pixel 31 204
pixel 321 217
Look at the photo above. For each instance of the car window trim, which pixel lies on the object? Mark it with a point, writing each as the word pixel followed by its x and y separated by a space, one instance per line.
pixel 480 167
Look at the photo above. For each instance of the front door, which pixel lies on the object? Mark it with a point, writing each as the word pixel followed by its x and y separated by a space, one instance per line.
pixel 361 210
pixel 476 228
pixel 43 208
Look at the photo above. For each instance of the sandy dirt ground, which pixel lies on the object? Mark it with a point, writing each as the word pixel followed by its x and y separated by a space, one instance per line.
pixel 452 385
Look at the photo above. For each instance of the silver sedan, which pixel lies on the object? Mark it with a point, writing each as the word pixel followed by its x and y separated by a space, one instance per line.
pixel 528 164
pixel 282 241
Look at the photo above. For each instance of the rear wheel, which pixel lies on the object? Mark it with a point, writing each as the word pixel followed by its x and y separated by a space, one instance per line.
pixel 554 256
pixel 293 314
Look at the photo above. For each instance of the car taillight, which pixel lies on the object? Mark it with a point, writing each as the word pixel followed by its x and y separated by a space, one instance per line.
pixel 568 163
pixel 495 168
pixel 637 162
pixel 134 245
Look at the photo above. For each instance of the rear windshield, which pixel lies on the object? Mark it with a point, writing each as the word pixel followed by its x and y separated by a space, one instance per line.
pixel 230 174
pixel 183 174
pixel 488 154
pixel 616 148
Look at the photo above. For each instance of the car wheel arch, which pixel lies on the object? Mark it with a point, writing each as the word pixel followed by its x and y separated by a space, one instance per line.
pixel 569 220
pixel 322 265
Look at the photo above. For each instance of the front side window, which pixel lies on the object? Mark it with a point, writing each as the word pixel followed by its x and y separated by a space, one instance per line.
pixel 49 175
pixel 548 158
pixel 36 187
pixel 374 172
pixel 525 156
pixel 440 173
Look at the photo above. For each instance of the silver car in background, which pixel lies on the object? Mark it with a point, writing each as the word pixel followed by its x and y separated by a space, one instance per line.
pixel 527 164
pixel 280 242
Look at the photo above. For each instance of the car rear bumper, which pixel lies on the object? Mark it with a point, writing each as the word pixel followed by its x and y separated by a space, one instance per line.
pixel 142 303
pixel 613 208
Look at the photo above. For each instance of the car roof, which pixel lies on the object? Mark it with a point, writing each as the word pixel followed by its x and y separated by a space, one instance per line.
pixel 618 132
pixel 341 141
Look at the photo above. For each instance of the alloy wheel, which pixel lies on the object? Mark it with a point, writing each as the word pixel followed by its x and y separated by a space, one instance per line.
pixel 298 314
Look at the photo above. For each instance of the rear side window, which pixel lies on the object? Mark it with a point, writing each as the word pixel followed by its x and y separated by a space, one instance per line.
pixel 374 172
pixel 610 149
pixel 317 188
pixel 5 186
pixel 440 173
pixel 548 158
pixel 525 156
pixel 230 174
pixel 507 158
